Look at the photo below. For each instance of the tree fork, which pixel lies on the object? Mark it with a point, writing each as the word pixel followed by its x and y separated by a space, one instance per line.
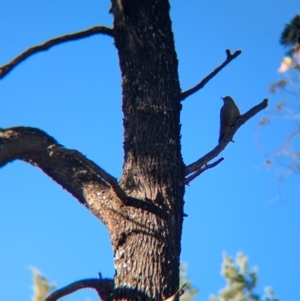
pixel 146 243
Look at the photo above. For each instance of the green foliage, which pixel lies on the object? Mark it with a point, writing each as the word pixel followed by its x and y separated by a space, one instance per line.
pixel 290 38
pixel 42 287
pixel 285 159
pixel 240 282
pixel 189 290
pixel 290 35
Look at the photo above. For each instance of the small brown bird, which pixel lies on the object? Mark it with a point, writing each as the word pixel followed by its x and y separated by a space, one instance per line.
pixel 228 115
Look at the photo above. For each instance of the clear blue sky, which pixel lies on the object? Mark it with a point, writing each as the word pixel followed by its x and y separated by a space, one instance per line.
pixel 73 93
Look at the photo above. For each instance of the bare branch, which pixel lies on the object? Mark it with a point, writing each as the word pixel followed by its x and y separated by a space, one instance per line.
pixel 175 296
pixel 5 69
pixel 31 145
pixel 198 165
pixel 199 86
pixel 94 168
pixel 201 170
pixel 104 288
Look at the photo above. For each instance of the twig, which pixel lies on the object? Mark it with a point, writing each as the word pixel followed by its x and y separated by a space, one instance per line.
pixel 201 170
pixel 199 86
pixel 94 168
pixel 5 69
pixel 175 296
pixel 104 288
pixel 196 166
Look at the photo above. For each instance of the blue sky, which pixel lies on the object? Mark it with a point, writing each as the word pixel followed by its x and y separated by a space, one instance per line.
pixel 73 93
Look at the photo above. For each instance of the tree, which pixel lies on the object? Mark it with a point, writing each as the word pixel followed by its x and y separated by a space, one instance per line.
pixel 286 157
pixel 143 211
pixel 240 282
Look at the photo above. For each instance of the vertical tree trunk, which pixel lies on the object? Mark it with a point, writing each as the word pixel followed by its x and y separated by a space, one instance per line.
pixel 146 234
pixel 144 211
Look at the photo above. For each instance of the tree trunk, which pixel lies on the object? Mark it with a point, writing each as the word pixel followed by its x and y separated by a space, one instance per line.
pixel 146 234
pixel 143 212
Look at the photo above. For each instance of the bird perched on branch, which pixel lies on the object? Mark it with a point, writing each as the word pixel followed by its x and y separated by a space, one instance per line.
pixel 228 115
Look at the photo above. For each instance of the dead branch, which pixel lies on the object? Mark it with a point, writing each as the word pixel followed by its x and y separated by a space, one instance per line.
pixel 198 165
pixel 201 170
pixel 32 145
pixel 103 287
pixel 199 86
pixel 94 168
pixel 5 69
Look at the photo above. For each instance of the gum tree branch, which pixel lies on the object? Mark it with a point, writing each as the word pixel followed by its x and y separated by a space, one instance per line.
pixel 5 69
pixel 34 146
pixel 199 86
pixel 201 170
pixel 200 164
pixel 104 288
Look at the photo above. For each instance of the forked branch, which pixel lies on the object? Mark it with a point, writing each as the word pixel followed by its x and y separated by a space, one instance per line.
pixel 104 288
pixel 201 165
pixel 199 86
pixel 5 69
pixel 201 170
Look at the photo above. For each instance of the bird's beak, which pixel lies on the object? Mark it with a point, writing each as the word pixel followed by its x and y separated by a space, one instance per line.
pixel 223 98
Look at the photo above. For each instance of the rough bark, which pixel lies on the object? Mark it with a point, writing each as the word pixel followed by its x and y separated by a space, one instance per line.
pixel 143 212
pixel 146 241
